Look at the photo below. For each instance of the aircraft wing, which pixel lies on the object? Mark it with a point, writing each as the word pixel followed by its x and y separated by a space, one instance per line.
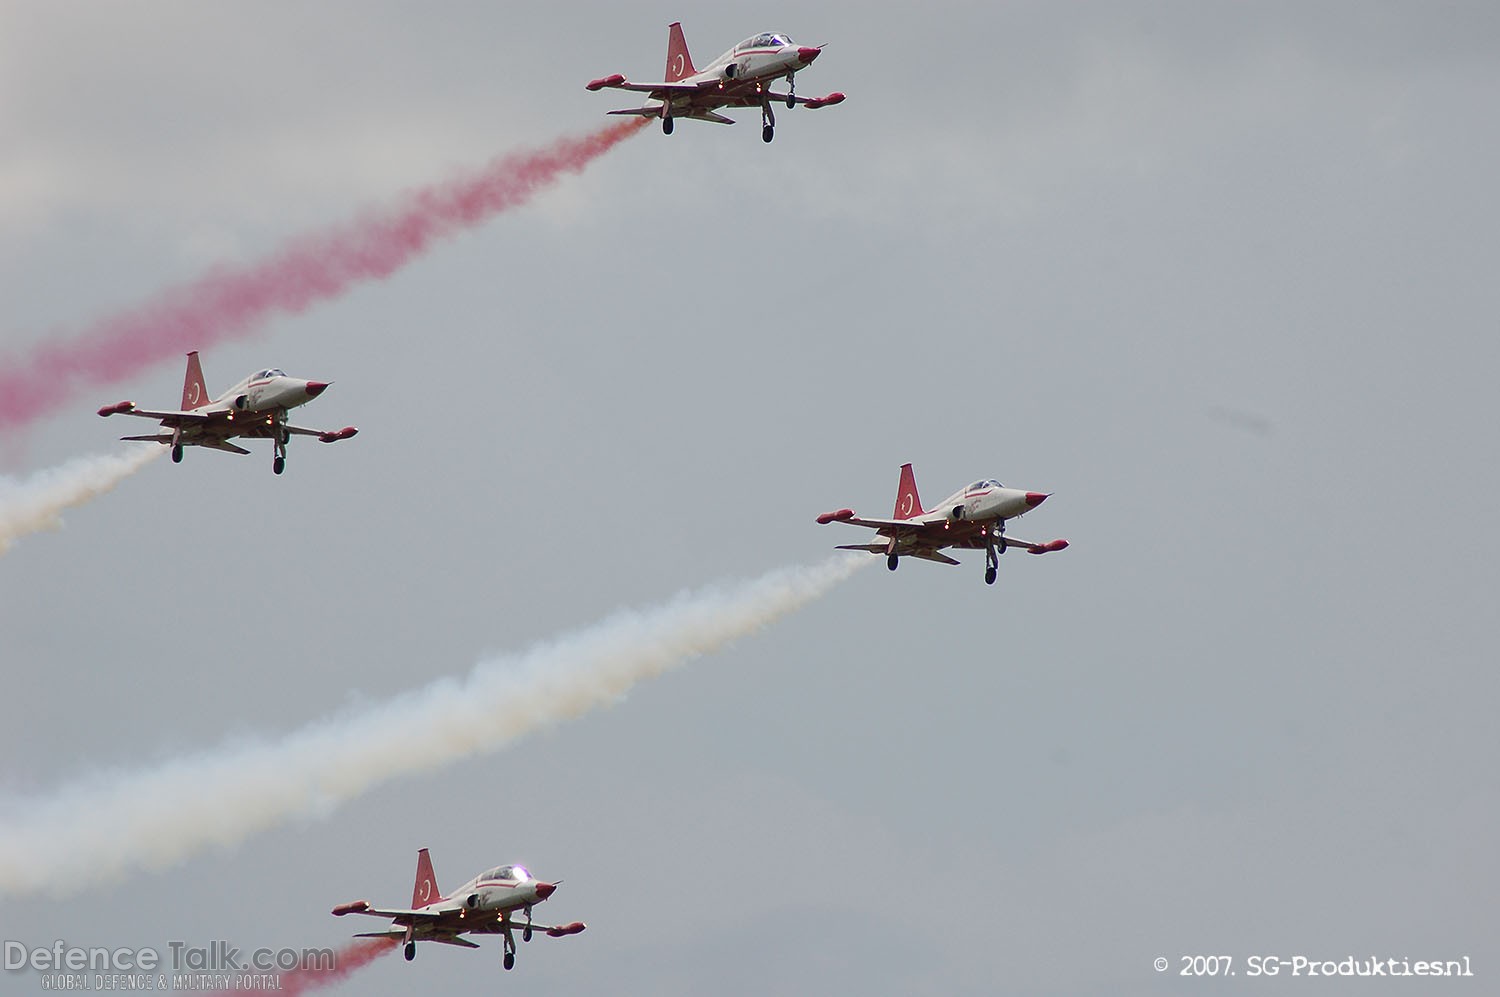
pixel 399 913
pixel 175 418
pixel 887 524
pixel 325 435
pixel 813 102
pixel 656 89
pixel 1034 548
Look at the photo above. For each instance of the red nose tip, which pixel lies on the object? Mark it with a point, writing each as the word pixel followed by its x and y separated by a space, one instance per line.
pixel 1034 499
pixel 807 54
pixel 545 890
pixel 316 388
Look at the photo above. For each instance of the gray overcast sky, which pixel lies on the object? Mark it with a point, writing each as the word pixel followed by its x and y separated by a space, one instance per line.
pixel 1220 276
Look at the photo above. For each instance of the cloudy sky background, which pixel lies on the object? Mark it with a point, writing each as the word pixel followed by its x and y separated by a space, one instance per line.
pixel 1218 276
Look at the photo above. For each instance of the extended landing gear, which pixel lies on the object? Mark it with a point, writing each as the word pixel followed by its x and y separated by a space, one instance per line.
pixel 509 962
pixel 666 125
pixel 509 959
pixel 526 931
pixel 177 453
pixel 767 121
pixel 892 561
pixel 791 91
pixel 282 437
pixel 410 951
pixel 992 551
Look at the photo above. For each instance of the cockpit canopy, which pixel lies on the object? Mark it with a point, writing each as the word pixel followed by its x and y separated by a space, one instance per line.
pixel 514 872
pixel 769 39
pixel 262 375
pixel 986 483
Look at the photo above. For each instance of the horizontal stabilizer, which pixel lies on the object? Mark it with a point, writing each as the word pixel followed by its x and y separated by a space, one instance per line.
pixel 932 555
pixel 643 112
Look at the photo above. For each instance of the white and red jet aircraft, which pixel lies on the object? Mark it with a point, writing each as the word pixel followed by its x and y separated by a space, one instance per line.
pixel 971 519
pixel 741 77
pixel 255 408
pixel 482 906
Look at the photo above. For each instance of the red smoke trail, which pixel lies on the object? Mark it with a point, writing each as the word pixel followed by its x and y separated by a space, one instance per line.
pixel 229 302
pixel 355 955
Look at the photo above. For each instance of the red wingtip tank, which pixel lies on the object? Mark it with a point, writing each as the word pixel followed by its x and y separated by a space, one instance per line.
pixel 837 515
pixel 116 408
pixel 606 81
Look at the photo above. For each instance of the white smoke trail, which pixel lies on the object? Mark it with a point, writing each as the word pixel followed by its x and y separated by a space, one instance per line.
pixel 104 827
pixel 37 502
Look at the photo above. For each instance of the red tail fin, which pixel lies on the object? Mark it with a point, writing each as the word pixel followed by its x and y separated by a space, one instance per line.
pixel 426 890
pixel 679 63
pixel 908 502
pixel 194 393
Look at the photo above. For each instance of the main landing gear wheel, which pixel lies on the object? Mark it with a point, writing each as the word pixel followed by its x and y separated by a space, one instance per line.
pixel 177 454
pixel 411 951
pixel 526 934
pixel 278 465
pixel 989 575
pixel 509 962
pixel 768 133
pixel 893 562
pixel 666 126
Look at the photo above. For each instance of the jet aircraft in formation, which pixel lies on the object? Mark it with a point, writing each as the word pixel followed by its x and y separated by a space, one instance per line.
pixel 972 518
pixel 255 408
pixel 485 905
pixel 741 77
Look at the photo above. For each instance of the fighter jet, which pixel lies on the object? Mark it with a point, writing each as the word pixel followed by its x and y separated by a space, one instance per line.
pixel 255 408
pixel 741 77
pixel 485 905
pixel 972 518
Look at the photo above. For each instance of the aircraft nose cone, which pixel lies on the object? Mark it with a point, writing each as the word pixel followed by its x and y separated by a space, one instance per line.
pixel 808 54
pixel 545 890
pixel 1034 499
pixel 316 388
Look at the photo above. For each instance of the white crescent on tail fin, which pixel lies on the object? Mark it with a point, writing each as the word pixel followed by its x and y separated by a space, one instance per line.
pixel 194 391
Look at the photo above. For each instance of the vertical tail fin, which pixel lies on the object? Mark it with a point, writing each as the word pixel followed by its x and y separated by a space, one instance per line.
pixel 908 502
pixel 679 63
pixel 194 393
pixel 426 889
